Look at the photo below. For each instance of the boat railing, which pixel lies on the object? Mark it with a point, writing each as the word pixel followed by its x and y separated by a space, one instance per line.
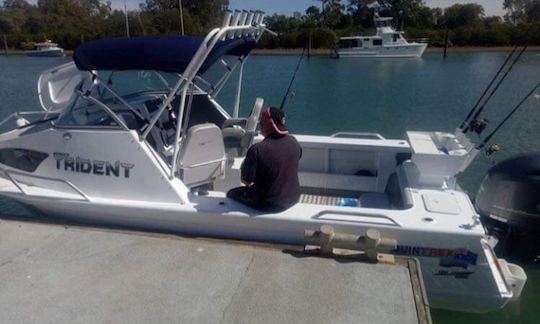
pixel 359 135
pixel 419 40
pixel 23 119
pixel 237 25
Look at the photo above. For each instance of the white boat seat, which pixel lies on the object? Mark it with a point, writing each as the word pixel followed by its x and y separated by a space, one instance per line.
pixel 238 133
pixel 201 159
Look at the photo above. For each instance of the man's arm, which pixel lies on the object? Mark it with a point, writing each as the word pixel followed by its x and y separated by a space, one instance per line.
pixel 249 167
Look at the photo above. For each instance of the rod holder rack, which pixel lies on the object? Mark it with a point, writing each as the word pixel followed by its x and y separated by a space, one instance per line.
pixel 371 244
pixel 243 18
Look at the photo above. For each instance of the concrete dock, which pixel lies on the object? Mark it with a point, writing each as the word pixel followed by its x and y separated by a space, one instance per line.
pixel 54 273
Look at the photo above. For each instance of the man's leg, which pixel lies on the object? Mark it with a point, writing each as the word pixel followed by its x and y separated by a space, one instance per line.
pixel 243 195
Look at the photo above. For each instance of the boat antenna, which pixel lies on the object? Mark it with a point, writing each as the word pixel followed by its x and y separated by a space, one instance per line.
pixel 467 123
pixel 286 96
pixel 508 116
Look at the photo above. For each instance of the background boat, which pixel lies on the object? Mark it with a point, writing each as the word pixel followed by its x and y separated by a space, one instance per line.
pixel 46 49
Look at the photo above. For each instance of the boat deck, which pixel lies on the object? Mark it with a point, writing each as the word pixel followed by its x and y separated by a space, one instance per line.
pixel 58 273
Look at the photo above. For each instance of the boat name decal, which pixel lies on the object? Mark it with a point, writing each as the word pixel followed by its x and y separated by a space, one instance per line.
pixel 97 167
pixel 448 258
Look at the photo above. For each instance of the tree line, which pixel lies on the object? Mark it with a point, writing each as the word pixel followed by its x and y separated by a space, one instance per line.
pixel 70 22
pixel 467 24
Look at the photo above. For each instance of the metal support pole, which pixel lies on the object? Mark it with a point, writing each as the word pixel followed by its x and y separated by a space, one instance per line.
pixel 238 91
pixel 127 19
pixel 181 16
pixel 178 130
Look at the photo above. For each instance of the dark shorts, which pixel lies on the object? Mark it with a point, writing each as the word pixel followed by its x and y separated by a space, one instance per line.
pixel 246 196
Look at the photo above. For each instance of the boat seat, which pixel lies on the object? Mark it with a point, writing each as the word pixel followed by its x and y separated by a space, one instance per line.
pixel 201 159
pixel 238 133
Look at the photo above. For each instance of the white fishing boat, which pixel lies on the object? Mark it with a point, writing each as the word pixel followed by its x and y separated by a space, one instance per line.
pixel 46 49
pixel 162 157
pixel 386 43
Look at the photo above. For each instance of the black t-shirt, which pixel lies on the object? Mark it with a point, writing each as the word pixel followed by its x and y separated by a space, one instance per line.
pixel 272 166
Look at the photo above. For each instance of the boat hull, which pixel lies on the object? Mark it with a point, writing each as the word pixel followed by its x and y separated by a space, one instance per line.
pixel 50 53
pixel 407 51
pixel 472 292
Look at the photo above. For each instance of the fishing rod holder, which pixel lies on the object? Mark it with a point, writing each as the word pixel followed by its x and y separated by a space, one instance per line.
pixel 243 18
pixel 371 244
pixel 478 125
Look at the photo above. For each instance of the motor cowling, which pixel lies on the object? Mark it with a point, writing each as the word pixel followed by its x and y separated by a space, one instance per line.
pixel 510 192
pixel 508 202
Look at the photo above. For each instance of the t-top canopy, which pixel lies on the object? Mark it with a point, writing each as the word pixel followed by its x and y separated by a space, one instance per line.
pixel 160 53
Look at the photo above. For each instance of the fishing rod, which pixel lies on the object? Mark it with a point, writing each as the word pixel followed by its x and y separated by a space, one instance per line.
pixel 486 140
pixel 483 124
pixel 487 88
pixel 282 106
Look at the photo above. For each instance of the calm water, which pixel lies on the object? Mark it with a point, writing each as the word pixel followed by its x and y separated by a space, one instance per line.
pixel 384 96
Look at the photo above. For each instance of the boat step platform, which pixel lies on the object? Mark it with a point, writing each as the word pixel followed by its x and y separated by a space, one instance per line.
pixel 65 273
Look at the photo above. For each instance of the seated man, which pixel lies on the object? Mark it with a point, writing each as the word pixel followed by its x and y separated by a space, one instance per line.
pixel 270 169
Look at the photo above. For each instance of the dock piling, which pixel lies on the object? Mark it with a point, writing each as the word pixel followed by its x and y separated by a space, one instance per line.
pixel 5 44
pixel 310 36
pixel 445 43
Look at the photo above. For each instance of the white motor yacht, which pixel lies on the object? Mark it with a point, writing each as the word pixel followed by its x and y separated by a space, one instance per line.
pixel 46 49
pixel 386 43
pixel 131 134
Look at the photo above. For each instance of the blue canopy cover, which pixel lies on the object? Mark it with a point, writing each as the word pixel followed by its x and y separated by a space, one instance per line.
pixel 160 53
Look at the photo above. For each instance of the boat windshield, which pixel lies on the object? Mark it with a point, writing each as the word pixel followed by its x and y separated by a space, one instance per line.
pixel 129 83
pixel 125 93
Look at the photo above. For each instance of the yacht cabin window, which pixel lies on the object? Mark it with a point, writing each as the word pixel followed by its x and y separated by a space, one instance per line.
pixel 377 42
pixel 349 43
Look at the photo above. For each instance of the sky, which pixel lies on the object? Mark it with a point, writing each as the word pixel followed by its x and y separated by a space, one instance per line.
pixel 491 7
pixel 287 7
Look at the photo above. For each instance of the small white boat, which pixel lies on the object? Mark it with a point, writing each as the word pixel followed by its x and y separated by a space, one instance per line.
pixel 386 43
pixel 46 49
pixel 163 156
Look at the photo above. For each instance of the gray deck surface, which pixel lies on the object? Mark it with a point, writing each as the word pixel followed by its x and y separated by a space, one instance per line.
pixel 56 274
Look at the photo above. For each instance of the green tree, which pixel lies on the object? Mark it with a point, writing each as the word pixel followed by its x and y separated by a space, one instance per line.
pixel 460 15
pixel 163 16
pixel 314 13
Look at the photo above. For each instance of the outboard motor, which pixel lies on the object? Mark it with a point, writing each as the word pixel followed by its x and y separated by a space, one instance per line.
pixel 508 202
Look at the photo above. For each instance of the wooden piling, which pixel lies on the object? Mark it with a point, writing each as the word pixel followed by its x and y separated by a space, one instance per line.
pixel 310 36
pixel 446 39
pixel 5 44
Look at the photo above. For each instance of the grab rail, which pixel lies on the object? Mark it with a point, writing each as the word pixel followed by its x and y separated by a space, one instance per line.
pixel 329 212
pixel 21 114
pixel 362 135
